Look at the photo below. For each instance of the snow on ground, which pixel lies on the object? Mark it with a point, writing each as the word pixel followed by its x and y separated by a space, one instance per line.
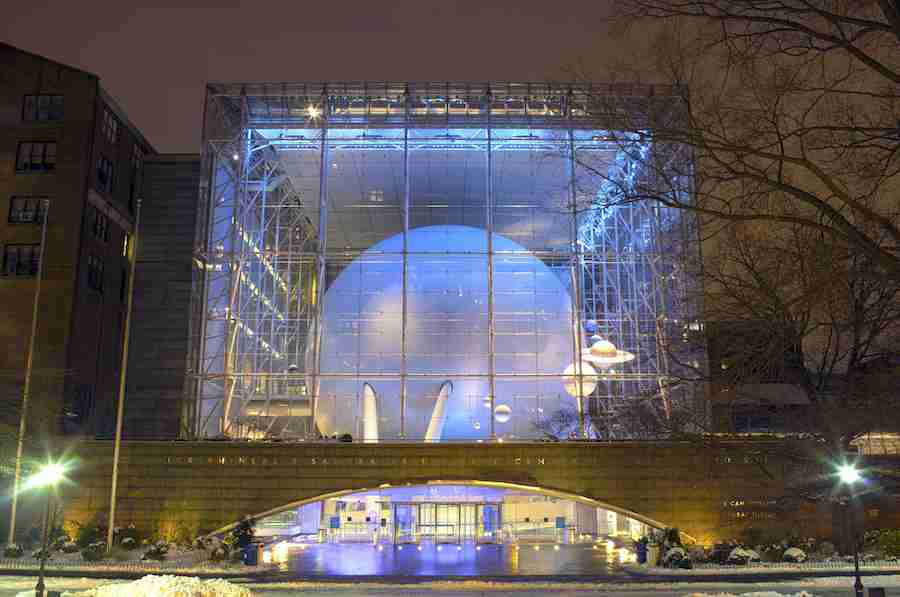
pixel 11 586
pixel 754 594
pixel 750 570
pixel 162 586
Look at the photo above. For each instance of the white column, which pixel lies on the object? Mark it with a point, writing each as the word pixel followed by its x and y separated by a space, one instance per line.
pixel 370 415
pixel 436 424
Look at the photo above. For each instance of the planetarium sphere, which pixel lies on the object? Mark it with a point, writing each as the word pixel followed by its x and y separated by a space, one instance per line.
pixel 447 346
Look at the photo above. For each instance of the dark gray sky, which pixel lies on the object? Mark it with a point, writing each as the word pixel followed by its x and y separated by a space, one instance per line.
pixel 154 56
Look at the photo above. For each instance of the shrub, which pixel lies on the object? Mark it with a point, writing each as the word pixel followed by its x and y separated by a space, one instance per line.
pixel 94 552
pixel 741 556
pixel 41 554
pixel 889 543
pixel 128 537
pixel 676 557
pixel 157 551
pixel 13 551
pixel 793 554
pixel 90 532
pixel 69 547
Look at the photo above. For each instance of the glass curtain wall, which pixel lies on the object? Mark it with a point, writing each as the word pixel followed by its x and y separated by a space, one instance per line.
pixel 420 265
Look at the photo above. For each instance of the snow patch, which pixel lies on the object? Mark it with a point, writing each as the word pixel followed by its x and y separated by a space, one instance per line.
pixel 163 586
pixel 755 594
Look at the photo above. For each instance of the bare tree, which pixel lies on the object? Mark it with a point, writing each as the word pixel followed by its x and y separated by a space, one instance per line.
pixel 785 111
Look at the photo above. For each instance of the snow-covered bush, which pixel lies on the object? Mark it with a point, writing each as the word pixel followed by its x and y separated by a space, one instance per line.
pixel 740 556
pixel 676 557
pixel 13 551
pixel 794 554
pixel 128 537
pixel 94 552
pixel 157 551
pixel 69 547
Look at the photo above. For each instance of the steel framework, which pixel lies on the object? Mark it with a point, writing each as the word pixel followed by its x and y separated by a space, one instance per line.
pixel 300 179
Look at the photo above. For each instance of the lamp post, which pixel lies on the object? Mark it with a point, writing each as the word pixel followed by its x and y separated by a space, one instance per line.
pixel 48 477
pixel 848 474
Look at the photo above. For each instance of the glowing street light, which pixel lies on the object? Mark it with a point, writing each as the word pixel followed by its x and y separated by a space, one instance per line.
pixel 48 477
pixel 848 474
pixel 313 111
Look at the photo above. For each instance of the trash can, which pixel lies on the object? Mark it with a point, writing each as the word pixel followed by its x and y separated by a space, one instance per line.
pixel 250 555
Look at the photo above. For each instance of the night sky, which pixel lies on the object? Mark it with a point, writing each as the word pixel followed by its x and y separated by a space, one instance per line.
pixel 155 56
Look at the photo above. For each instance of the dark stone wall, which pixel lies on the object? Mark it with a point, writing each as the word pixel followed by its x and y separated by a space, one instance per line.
pixel 710 494
pixel 162 297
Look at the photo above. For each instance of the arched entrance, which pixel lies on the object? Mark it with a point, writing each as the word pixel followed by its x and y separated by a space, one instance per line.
pixel 453 527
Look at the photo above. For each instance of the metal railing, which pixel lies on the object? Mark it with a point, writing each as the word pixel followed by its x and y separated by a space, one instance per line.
pixel 826 565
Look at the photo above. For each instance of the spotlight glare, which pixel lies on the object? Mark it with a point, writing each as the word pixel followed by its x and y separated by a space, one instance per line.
pixel 848 474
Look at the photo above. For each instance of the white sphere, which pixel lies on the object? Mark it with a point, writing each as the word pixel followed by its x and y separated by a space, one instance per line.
pixel 502 414
pixel 447 335
pixel 587 377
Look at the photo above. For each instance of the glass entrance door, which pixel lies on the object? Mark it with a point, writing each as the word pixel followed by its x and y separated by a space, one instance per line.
pixel 489 523
pixel 405 523
pixel 468 521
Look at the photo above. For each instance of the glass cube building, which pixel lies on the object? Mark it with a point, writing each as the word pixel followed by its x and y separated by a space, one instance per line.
pixel 428 262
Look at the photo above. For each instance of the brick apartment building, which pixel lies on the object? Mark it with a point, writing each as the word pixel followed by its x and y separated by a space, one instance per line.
pixel 64 143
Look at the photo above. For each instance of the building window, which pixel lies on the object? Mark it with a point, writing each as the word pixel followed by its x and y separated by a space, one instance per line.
pixel 36 156
pixel 95 273
pixel 27 210
pixel 105 174
pixel 21 260
pixel 110 126
pixel 100 226
pixel 41 108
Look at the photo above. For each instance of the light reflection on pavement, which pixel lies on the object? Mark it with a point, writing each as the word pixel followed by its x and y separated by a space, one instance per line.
pixel 429 559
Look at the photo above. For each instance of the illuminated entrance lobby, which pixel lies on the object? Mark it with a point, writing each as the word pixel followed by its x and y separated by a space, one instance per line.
pixel 441 528
pixel 427 263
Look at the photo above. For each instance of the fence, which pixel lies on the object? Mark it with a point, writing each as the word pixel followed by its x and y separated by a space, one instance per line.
pixel 181 564
pixel 829 565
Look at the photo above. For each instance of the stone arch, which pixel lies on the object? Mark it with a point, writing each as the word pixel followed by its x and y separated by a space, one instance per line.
pixel 476 483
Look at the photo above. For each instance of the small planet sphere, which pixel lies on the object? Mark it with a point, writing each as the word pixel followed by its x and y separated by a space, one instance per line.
pixel 604 348
pixel 587 376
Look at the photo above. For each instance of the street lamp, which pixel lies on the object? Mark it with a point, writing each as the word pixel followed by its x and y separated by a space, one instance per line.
pixel 848 474
pixel 48 477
